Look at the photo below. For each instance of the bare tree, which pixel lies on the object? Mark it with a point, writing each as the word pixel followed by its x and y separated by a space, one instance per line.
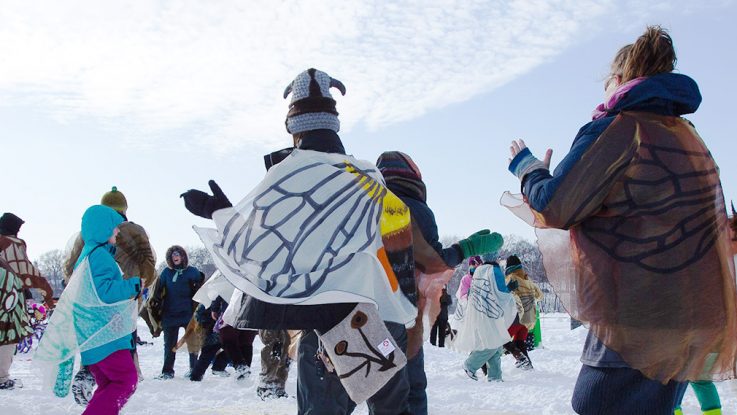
pixel 51 265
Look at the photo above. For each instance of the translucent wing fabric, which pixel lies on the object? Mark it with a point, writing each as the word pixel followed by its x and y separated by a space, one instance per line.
pixel 645 261
pixel 80 322
pixel 483 318
pixel 216 286
pixel 311 233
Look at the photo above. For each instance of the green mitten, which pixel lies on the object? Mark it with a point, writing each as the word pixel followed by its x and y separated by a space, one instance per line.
pixel 480 243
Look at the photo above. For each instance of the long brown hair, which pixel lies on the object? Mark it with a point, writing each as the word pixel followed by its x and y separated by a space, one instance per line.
pixel 651 54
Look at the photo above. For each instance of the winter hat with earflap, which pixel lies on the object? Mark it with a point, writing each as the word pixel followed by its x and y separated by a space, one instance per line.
pixel 312 107
pixel 116 200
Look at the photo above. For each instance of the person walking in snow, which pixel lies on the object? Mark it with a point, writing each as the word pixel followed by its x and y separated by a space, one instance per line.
pixel 339 291
pixel 482 319
pixel 136 258
pixel 174 290
pixel 465 283
pixel 433 262
pixel 525 293
pixel 14 322
pixel 641 203
pixel 96 295
pixel 13 252
pixel 437 333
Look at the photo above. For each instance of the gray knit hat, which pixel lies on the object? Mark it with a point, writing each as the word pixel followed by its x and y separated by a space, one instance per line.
pixel 312 107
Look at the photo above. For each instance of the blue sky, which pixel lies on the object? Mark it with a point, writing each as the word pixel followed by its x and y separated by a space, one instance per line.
pixel 157 98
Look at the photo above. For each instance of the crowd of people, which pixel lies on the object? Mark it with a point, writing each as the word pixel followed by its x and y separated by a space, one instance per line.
pixel 335 262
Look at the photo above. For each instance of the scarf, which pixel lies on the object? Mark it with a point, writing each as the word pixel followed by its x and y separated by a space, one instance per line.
pixel 602 110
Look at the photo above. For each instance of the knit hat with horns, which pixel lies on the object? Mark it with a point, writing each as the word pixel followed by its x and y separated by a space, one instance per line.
pixel 312 107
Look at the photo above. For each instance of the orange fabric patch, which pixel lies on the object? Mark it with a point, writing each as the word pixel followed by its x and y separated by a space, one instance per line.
pixel 381 254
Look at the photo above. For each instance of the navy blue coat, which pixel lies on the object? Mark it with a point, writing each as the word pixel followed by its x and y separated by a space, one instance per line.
pixel 177 302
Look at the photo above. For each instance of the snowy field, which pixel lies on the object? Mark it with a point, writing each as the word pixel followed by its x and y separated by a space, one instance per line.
pixel 546 390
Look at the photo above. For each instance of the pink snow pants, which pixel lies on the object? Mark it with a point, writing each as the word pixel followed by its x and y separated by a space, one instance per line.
pixel 116 379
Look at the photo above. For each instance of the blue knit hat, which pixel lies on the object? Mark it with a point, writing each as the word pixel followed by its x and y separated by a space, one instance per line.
pixel 312 107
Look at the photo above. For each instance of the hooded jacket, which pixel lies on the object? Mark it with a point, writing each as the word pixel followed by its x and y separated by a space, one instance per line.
pixel 175 288
pixel 98 224
pixel 641 197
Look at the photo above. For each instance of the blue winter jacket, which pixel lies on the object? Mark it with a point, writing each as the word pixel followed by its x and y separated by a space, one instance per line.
pixel 98 223
pixel 664 94
pixel 424 218
pixel 180 286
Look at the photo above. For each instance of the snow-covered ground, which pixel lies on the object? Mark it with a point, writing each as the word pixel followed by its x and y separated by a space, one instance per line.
pixel 546 390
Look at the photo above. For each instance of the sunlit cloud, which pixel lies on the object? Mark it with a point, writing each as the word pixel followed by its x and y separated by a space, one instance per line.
pixel 217 69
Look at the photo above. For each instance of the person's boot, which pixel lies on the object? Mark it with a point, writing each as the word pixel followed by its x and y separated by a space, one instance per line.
pixel 242 372
pixel 9 384
pixel 522 361
pixel 83 385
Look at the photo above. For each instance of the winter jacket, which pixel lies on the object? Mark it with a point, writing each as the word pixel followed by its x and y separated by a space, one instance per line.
pixel 176 287
pixel 528 293
pixel 424 218
pixel 641 197
pixel 98 224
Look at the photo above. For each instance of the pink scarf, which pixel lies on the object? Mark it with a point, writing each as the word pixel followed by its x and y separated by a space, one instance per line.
pixel 602 109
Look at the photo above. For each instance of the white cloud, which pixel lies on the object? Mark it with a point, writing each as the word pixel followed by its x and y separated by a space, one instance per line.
pixel 219 68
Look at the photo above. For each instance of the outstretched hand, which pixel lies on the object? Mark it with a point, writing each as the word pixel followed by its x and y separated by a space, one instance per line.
pixel 518 145
pixel 203 204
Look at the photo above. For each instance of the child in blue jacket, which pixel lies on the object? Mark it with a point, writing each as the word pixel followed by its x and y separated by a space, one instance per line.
pixel 111 363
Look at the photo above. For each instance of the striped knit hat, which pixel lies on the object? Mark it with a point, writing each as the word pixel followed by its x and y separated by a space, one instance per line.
pixel 312 107
pixel 402 175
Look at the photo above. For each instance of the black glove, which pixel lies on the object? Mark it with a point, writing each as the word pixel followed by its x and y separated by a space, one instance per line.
pixel 513 285
pixel 202 204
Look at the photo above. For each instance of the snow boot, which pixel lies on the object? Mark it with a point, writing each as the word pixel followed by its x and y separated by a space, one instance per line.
pixel 83 386
pixel 165 376
pixel 220 373
pixel 523 362
pixel 271 392
pixel 11 384
pixel 242 373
